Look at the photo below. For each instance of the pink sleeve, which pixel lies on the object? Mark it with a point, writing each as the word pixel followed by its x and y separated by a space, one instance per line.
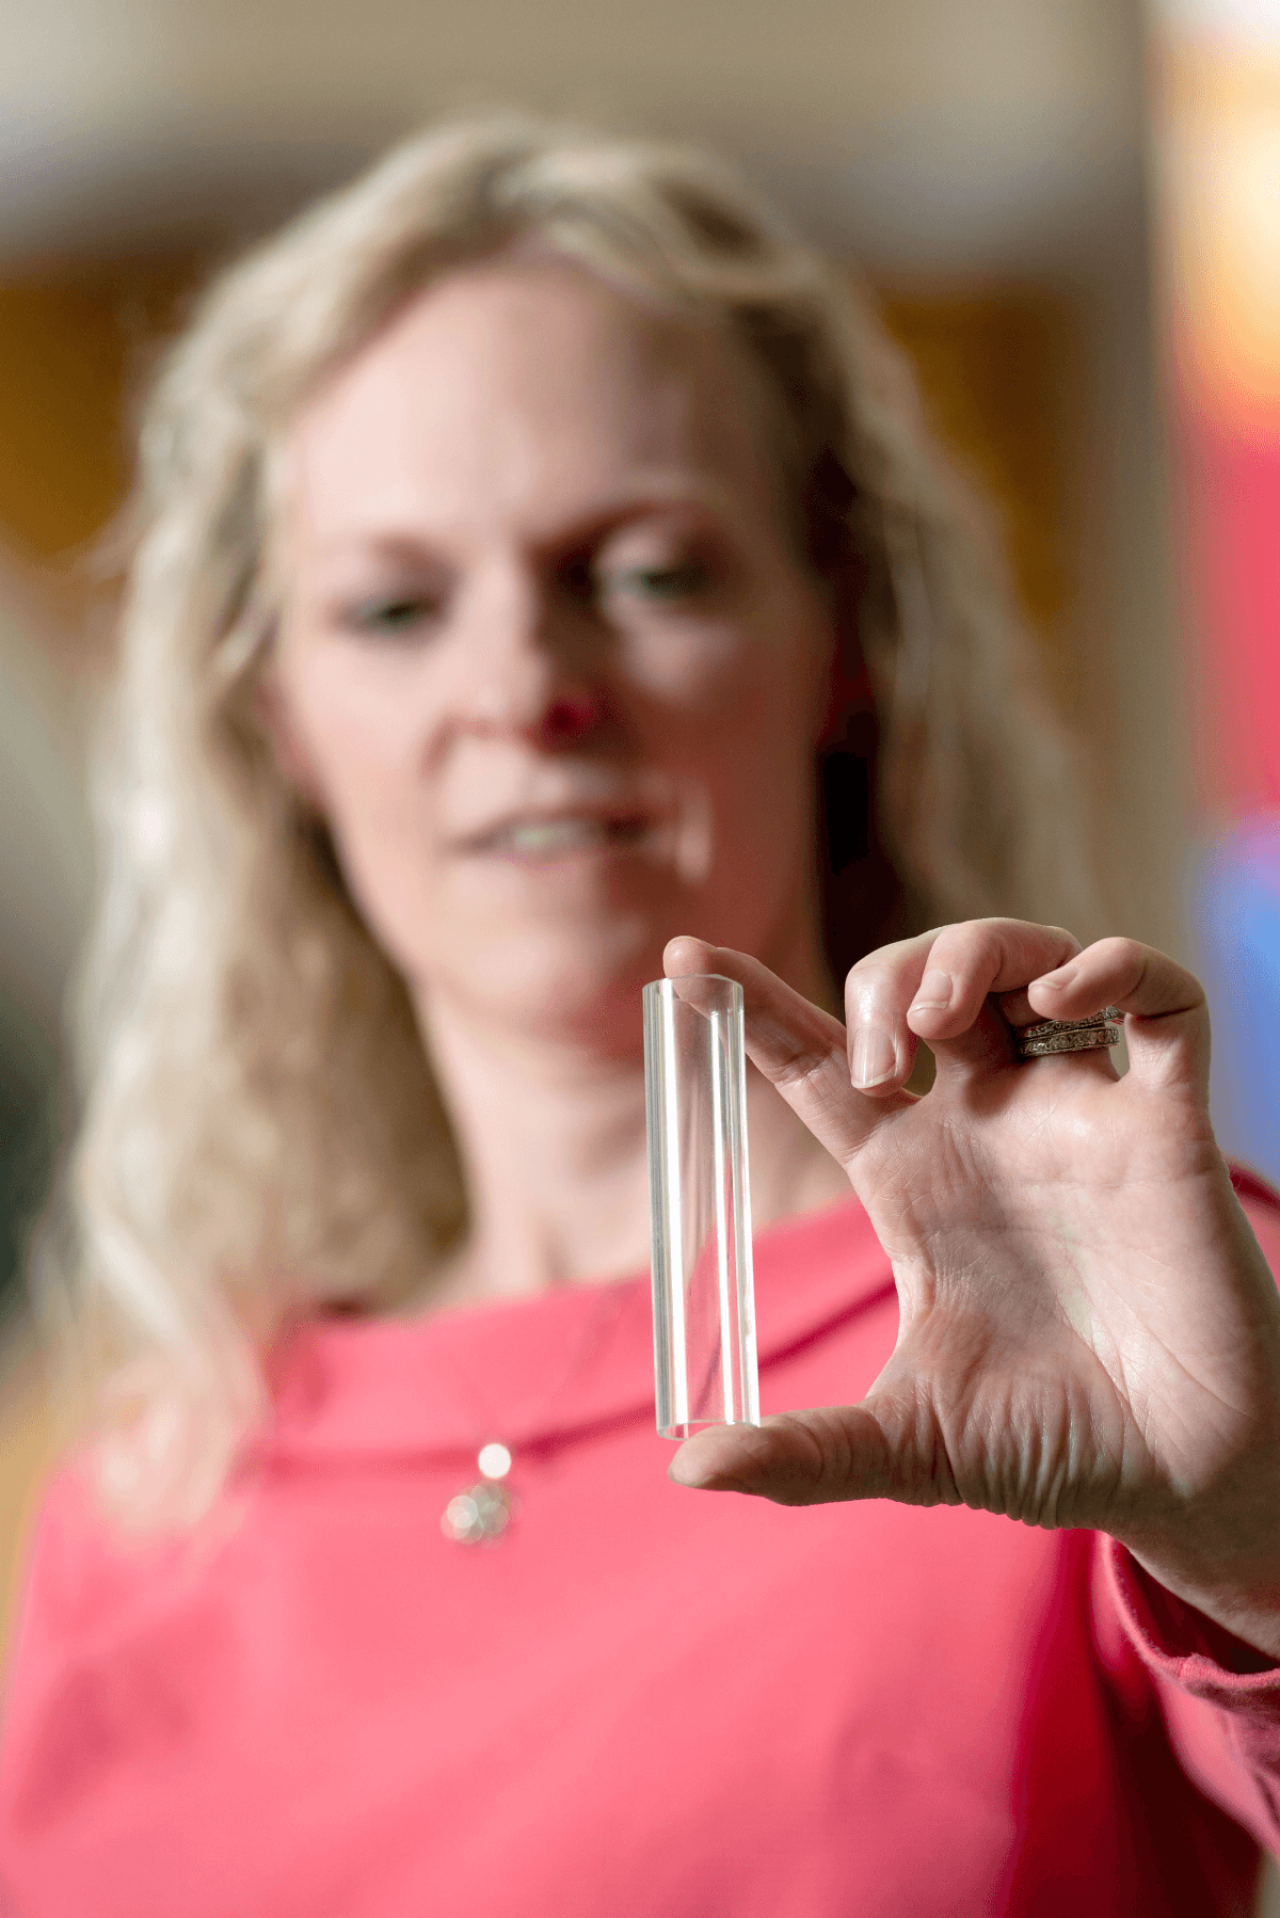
pixel 1220 1699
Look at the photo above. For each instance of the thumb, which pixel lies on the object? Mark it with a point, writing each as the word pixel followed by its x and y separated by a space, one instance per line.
pixel 795 1458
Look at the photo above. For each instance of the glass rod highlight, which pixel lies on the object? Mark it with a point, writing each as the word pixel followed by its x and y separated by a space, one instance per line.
pixel 704 1334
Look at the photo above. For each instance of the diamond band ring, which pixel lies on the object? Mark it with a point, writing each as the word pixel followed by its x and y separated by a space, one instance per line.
pixel 1053 1036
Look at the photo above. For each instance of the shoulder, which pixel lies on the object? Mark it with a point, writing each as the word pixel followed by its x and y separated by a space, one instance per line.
pixel 82 1572
pixel 113 1633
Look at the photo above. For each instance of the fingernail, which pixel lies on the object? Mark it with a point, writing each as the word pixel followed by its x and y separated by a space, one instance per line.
pixel 934 994
pixel 1059 980
pixel 875 1057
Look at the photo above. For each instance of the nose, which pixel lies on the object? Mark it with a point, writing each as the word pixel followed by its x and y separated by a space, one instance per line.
pixel 569 717
pixel 529 671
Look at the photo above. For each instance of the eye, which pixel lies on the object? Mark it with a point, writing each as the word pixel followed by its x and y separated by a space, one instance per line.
pixel 669 584
pixel 394 615
pixel 680 581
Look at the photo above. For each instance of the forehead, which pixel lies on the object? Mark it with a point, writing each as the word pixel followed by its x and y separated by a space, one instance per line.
pixel 528 390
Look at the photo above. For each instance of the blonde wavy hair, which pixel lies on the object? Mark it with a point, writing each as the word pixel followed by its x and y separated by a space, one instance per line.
pixel 261 1130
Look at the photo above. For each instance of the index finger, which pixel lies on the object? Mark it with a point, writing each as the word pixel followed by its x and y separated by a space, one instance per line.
pixel 795 1045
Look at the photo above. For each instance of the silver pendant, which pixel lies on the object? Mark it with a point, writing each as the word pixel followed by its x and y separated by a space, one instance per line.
pixel 481 1514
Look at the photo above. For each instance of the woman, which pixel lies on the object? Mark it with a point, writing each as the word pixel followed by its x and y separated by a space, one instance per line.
pixel 518 531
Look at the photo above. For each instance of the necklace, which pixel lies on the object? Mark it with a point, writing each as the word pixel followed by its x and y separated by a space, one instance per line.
pixel 479 1514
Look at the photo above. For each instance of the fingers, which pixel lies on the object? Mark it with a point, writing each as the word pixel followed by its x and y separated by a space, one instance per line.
pixel 797 1046
pixel 938 986
pixel 944 986
pixel 1167 1027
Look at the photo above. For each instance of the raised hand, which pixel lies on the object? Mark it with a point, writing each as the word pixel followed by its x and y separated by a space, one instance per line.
pixel 1089 1333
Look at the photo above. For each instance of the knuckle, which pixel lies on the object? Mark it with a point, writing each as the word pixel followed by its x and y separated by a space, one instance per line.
pixel 865 968
pixel 868 983
pixel 807 1067
pixel 1124 955
pixel 969 947
pixel 886 959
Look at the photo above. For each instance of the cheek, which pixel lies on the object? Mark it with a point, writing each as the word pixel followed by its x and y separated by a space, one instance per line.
pixel 736 732
pixel 358 729
pixel 691 670
pixel 361 734
pixel 747 699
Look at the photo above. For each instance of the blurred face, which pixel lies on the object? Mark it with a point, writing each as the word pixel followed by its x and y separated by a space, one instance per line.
pixel 548 663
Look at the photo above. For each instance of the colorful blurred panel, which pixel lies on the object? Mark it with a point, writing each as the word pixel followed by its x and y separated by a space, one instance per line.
pixel 1216 66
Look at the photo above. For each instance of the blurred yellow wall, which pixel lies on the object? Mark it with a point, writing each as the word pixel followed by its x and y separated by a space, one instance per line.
pixel 76 344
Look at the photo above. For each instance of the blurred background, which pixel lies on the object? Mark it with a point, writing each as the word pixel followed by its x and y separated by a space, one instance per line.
pixel 1070 211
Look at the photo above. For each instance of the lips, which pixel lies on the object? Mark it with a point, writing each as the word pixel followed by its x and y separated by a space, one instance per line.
pixel 544 837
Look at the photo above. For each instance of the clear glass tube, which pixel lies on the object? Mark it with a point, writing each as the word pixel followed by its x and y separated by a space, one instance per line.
pixel 704 1333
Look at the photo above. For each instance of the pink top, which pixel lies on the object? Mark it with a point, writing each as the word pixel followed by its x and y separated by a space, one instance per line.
pixel 641 1700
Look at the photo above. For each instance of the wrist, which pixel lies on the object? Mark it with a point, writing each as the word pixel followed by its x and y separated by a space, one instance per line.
pixel 1238 1592
pixel 1178 1634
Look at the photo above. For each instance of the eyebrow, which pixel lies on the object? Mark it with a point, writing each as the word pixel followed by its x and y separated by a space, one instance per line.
pixel 410 544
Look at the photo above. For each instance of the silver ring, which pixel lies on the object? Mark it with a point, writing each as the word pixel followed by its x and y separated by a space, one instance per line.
pixel 1052 1036
pixel 1045 1026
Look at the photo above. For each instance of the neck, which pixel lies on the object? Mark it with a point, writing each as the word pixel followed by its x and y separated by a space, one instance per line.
pixel 552 1141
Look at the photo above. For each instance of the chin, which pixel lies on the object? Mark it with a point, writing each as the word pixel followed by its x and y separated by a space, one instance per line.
pixel 578 985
